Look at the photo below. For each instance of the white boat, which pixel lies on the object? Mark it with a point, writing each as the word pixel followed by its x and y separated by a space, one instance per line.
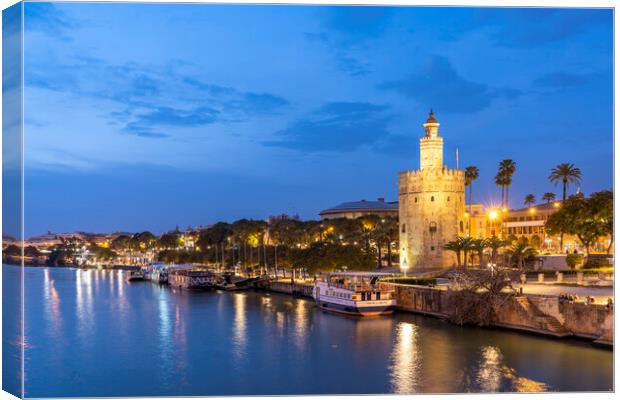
pixel 354 293
pixel 156 272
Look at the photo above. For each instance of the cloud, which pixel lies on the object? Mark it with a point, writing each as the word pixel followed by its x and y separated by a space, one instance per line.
pixel 438 84
pixel 150 98
pixel 346 31
pixel 531 27
pixel 47 18
pixel 345 55
pixel 397 145
pixel 357 23
pixel 560 80
pixel 335 127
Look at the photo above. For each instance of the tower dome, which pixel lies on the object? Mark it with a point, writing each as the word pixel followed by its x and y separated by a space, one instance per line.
pixel 431 118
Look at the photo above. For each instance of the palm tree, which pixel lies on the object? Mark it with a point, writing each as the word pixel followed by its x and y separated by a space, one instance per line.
pixel 471 174
pixel 455 246
pixel 565 173
pixel 548 197
pixel 520 252
pixel 495 243
pixel 500 181
pixel 529 200
pixel 507 169
pixel 467 244
pixel 478 245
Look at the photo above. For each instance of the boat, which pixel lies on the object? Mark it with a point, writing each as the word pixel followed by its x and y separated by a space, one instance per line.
pixel 230 282
pixel 157 273
pixel 354 293
pixel 137 275
pixel 194 278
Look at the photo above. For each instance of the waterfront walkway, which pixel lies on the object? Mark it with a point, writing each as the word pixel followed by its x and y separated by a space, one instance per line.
pixel 599 293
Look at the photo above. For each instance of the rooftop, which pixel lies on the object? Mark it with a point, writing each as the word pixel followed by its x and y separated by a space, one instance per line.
pixel 539 207
pixel 362 205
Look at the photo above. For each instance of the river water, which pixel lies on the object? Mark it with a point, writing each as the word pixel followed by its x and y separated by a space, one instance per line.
pixel 91 333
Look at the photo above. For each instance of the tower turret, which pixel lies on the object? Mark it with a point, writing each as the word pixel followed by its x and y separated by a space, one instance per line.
pixel 431 126
pixel 431 145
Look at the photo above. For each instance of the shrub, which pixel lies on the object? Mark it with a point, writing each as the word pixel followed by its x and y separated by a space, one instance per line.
pixel 412 281
pixel 573 259
pixel 597 262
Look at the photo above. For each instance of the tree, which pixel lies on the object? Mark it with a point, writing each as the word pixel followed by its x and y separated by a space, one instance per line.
pixel 475 298
pixel 121 242
pixel 478 245
pixel 507 169
pixel 169 240
pixel 467 244
pixel 529 200
pixel 588 219
pixel 495 244
pixel 603 208
pixel 146 240
pixel 471 174
pixel 548 197
pixel 460 246
pixel 565 173
pixel 500 180
pixel 457 248
pixel 520 253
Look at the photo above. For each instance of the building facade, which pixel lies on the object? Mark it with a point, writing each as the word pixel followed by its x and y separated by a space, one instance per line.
pixel 431 207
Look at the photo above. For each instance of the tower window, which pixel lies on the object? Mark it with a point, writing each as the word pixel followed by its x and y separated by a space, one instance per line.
pixel 404 229
pixel 432 198
pixel 448 198
pixel 461 226
pixel 415 199
pixel 432 248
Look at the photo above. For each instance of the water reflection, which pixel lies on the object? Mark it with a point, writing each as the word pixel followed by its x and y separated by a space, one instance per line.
pixel 490 371
pixel 301 325
pixel 51 301
pixel 239 325
pixel 151 340
pixel 405 359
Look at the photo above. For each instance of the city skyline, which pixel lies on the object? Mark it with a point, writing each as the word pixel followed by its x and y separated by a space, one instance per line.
pixel 145 124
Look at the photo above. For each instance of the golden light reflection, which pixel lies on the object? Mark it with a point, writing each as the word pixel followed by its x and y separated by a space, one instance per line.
pixel 301 321
pixel 239 325
pixel 405 359
pixel 490 371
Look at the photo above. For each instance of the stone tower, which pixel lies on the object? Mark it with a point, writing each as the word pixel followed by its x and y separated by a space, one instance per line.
pixel 431 206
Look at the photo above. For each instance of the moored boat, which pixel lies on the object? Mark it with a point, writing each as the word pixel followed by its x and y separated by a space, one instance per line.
pixel 157 272
pixel 195 278
pixel 137 275
pixel 354 293
pixel 230 282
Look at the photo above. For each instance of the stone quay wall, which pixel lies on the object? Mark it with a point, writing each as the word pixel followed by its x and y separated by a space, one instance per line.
pixel 539 314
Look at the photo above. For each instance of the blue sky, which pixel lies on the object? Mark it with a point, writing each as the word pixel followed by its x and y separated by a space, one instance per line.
pixel 148 116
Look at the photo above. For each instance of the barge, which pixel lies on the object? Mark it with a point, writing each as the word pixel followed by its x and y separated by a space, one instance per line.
pixel 195 278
